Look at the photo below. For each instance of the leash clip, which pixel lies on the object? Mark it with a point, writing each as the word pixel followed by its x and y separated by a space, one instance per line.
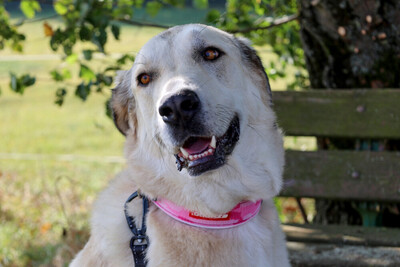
pixel 139 241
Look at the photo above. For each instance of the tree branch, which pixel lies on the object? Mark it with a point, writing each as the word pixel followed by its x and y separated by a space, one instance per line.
pixel 144 24
pixel 274 23
pixel 27 21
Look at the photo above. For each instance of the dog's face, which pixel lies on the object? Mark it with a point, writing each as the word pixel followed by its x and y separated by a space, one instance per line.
pixel 195 108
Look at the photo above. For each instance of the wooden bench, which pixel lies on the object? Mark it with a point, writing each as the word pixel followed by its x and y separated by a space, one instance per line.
pixel 342 174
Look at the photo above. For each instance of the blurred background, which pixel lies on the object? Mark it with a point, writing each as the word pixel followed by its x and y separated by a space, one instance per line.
pixel 58 145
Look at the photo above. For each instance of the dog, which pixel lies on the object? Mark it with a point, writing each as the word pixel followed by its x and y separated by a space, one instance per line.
pixel 201 137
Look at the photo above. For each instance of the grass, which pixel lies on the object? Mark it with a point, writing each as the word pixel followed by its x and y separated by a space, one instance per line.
pixel 45 201
pixel 33 124
pixel 45 196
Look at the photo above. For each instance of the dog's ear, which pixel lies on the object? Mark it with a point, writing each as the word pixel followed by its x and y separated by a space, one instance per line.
pixel 253 63
pixel 122 103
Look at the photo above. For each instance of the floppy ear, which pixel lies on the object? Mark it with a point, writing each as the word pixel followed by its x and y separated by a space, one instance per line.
pixel 123 103
pixel 253 63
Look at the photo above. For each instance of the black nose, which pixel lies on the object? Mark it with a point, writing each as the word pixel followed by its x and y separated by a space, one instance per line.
pixel 180 108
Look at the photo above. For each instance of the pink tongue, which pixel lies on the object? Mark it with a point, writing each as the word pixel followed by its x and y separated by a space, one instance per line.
pixel 198 146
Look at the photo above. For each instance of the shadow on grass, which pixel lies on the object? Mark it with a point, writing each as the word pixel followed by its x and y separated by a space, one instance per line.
pixel 58 254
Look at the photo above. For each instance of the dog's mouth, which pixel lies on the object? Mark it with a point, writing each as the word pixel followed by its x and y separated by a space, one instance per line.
pixel 201 154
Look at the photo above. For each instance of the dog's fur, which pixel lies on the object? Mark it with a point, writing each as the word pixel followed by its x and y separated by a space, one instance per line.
pixel 234 84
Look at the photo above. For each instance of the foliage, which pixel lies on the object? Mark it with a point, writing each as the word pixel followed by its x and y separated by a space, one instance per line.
pixel 9 35
pixel 18 84
pixel 95 22
pixel 29 8
pixel 250 17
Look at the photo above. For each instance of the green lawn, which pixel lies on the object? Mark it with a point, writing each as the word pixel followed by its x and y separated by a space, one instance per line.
pixel 54 160
pixel 43 194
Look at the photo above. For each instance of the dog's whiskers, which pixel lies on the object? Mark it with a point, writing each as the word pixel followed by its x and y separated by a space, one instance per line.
pixel 232 167
pixel 160 144
pixel 255 130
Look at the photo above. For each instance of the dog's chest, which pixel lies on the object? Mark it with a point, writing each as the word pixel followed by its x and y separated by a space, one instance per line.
pixel 173 243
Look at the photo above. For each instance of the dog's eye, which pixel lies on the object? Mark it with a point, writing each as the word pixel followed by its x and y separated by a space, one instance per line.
pixel 211 54
pixel 144 79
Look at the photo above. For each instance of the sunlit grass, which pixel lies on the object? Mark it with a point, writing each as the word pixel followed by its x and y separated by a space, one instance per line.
pixel 45 204
pixel 32 123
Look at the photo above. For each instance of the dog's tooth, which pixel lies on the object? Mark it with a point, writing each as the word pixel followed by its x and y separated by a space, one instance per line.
pixel 210 151
pixel 213 143
pixel 184 152
pixel 191 157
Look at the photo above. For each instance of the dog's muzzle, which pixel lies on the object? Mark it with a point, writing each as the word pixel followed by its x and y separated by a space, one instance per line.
pixel 198 152
pixel 201 154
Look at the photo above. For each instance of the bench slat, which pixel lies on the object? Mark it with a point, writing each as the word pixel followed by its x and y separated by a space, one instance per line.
pixel 339 113
pixel 341 245
pixel 342 235
pixel 331 255
pixel 349 175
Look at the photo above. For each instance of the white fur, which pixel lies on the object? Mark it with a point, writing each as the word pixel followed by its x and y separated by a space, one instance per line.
pixel 253 171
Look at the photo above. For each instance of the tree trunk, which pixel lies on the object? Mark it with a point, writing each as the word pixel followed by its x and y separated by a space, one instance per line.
pixel 351 44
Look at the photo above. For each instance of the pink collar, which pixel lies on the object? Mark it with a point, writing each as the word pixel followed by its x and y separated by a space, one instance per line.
pixel 240 214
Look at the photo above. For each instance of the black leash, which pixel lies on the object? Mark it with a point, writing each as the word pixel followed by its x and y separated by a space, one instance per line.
pixel 139 241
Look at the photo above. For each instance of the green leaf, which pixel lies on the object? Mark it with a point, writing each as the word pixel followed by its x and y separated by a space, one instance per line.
pixel 175 3
pixel 71 59
pixel 18 84
pixel 123 59
pixel 153 7
pixel 60 8
pixel 59 77
pixel 82 91
pixel 60 96
pixel 84 9
pixel 104 79
pixel 66 74
pixel 29 7
pixel 85 34
pixel 100 39
pixel 56 76
pixel 87 54
pixel 108 108
pixel 86 73
pixel 213 16
pixel 27 80
pixel 200 4
pixel 13 82
pixel 115 31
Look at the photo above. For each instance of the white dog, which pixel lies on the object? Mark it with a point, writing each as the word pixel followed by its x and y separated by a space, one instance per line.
pixel 202 140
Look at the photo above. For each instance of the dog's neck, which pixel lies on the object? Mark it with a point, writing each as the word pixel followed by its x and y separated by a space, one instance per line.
pixel 240 214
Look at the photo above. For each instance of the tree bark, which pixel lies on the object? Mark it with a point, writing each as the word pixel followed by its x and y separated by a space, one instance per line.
pixel 351 44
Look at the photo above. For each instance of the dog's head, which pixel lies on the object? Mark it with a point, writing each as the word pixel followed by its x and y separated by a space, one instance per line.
pixel 196 111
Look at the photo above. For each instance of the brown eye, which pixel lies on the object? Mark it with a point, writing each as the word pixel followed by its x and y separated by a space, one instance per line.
pixel 144 79
pixel 211 54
